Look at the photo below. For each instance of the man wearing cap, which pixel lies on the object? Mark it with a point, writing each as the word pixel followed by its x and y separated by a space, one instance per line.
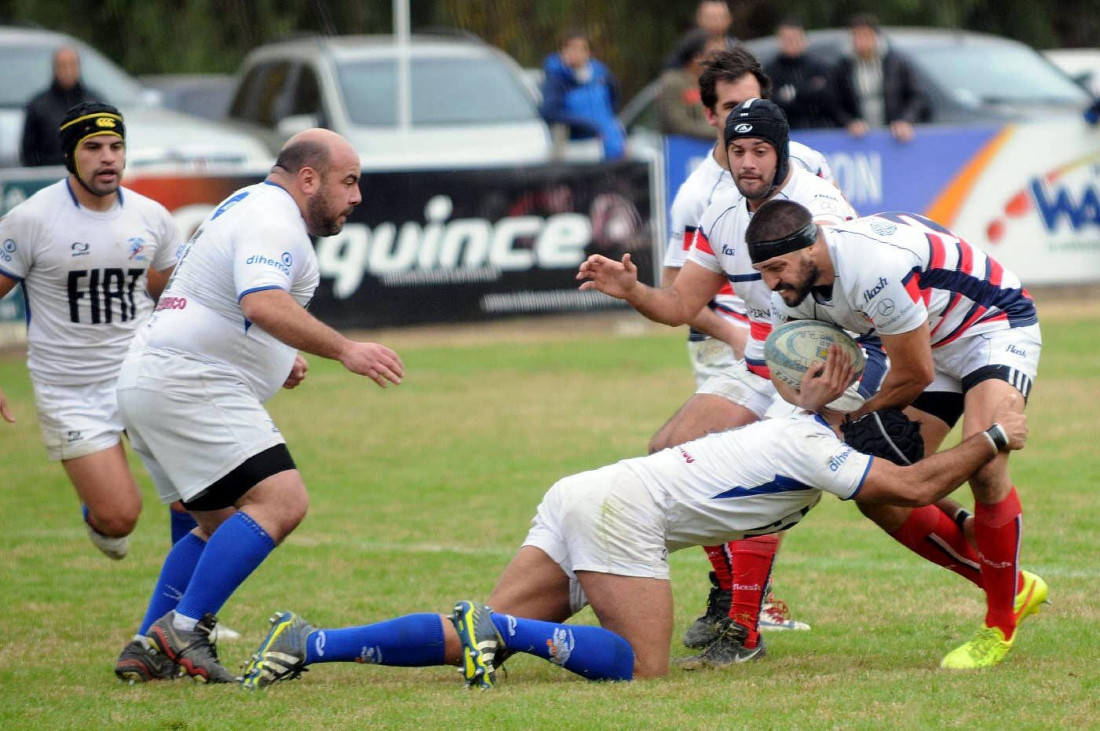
pixel 756 140
pixel 963 335
pixel 92 256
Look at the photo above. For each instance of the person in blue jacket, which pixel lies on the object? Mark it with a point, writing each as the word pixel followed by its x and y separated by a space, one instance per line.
pixel 580 92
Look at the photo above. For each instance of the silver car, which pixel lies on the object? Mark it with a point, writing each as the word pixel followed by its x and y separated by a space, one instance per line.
pixel 155 137
pixel 470 106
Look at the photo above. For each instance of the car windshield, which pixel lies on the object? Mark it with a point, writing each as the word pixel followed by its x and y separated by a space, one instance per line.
pixel 445 91
pixel 27 71
pixel 997 74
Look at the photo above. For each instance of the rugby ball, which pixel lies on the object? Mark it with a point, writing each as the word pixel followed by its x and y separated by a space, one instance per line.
pixel 794 346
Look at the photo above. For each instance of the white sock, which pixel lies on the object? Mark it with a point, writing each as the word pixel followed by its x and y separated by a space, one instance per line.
pixel 182 623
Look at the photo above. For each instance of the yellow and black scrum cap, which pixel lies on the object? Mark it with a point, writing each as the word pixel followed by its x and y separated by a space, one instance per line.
pixel 85 120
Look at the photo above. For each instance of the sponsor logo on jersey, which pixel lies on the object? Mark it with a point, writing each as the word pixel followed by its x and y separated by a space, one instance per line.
pixel 870 293
pixel 137 248
pixel 839 459
pixel 172 303
pixel 883 228
pixel 79 248
pixel 886 307
pixel 1016 351
pixel 7 249
pixel 728 250
pixel 687 457
pixel 745 587
pixel 73 436
pixel 282 263
pixel 561 645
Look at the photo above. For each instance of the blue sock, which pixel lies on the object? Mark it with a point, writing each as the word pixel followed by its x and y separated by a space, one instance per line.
pixel 175 575
pixel 591 652
pixel 182 524
pixel 412 641
pixel 236 549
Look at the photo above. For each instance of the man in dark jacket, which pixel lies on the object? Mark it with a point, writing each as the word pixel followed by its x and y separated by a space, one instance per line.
pixel 876 87
pixel 801 80
pixel 45 111
pixel 580 92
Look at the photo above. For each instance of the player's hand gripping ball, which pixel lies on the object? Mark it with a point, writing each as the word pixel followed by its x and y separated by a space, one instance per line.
pixel 794 346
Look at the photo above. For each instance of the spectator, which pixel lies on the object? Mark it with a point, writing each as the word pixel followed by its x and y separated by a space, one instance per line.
pixel 580 93
pixel 680 108
pixel 45 111
pixel 713 17
pixel 876 87
pixel 801 80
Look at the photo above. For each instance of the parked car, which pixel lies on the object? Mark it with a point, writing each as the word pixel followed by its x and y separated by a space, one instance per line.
pixel 155 137
pixel 200 95
pixel 1081 64
pixel 969 77
pixel 470 106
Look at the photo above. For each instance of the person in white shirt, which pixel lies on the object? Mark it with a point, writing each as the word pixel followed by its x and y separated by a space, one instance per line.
pixel 223 339
pixel 91 256
pixel 756 143
pixel 718 333
pixel 602 538
pixel 717 336
pixel 963 335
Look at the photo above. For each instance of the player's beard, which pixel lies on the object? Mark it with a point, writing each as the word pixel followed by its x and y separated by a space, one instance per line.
pixel 755 189
pixel 320 219
pixel 794 294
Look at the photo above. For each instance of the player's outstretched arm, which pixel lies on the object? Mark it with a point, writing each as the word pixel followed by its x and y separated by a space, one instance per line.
pixel 275 312
pixel 937 476
pixel 673 305
pixel 5 412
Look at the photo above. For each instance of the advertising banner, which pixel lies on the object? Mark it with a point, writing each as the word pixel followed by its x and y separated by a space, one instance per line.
pixel 443 246
pixel 1027 194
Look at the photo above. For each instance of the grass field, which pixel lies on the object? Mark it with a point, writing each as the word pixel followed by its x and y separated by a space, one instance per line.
pixel 421 493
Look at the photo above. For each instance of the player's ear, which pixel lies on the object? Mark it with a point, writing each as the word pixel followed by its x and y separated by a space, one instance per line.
pixel 309 180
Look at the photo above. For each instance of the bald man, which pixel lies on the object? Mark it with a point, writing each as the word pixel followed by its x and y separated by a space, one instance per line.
pixel 46 110
pixel 224 338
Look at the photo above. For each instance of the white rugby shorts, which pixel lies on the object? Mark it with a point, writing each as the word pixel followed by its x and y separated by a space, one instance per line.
pixel 709 357
pixel 739 385
pixel 191 423
pixel 604 521
pixel 1018 348
pixel 78 420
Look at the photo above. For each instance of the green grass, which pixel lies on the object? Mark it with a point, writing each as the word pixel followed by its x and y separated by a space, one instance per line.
pixel 421 493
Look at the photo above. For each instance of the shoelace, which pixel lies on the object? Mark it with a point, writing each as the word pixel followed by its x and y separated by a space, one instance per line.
pixel 983 642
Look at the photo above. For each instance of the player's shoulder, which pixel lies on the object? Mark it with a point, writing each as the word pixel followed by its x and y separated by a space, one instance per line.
pixel 41 209
pixel 143 204
pixel 810 159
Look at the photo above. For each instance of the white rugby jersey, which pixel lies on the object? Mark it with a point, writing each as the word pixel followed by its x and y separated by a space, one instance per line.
pixel 719 246
pixel 84 278
pixel 255 240
pixel 896 270
pixel 749 481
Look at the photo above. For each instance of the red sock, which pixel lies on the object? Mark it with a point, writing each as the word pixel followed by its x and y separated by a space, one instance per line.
pixel 930 533
pixel 998 529
pixel 753 559
pixel 720 560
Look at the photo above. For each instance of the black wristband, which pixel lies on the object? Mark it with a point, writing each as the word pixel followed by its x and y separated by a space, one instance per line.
pixel 998 436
